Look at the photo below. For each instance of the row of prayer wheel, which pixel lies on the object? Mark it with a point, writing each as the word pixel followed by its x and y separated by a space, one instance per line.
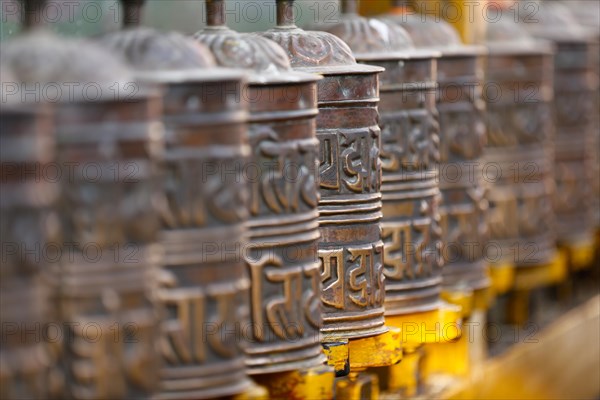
pixel 189 212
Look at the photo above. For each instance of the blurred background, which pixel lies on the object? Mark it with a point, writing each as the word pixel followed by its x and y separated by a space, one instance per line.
pixel 574 338
pixel 92 17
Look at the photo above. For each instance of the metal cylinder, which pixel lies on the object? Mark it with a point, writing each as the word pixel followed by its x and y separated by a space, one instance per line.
pixel 116 211
pixel 283 226
pixel 203 285
pixel 350 249
pixel 464 206
pixel 520 133
pixel 574 87
pixel 108 143
pixel 29 231
pixel 409 155
pixel 586 13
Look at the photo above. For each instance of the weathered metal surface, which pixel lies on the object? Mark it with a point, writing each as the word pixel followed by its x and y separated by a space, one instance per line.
pixel 409 155
pixel 116 211
pixel 588 15
pixel 460 105
pixel 203 285
pixel 350 249
pixel 283 227
pixel 107 148
pixel 574 87
pixel 28 224
pixel 519 79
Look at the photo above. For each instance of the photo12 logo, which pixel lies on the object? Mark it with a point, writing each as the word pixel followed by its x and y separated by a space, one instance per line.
pixel 64 11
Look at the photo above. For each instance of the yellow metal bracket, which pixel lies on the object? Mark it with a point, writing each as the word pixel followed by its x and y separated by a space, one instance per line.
pixel 502 276
pixel 405 378
pixel 418 331
pixel 355 355
pixel 357 387
pixel 255 392
pixel 311 384
pixel 580 254
pixel 528 278
pixel 458 359
pixel 469 300
pixel 536 369
pixel 440 325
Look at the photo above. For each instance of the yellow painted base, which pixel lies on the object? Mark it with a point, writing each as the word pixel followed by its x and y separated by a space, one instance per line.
pixel 458 359
pixel 580 255
pixel 418 331
pixel 503 277
pixel 450 358
pixel 406 378
pixel 562 362
pixel 435 326
pixel 528 278
pixel 312 384
pixel 255 392
pixel 468 300
pixel 357 387
pixel 355 355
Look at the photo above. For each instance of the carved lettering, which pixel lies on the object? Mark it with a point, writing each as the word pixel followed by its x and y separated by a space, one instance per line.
pixel 329 161
pixel 405 246
pixel 288 309
pixel 465 223
pixel 351 157
pixel 185 203
pixel 286 177
pixel 332 276
pixel 352 275
pixel 109 365
pixel 409 139
pixel 192 325
pixel 193 196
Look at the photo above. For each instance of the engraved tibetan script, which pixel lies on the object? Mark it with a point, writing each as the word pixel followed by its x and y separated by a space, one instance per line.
pixel 114 363
pixel 409 139
pixel 196 197
pixel 284 299
pixel 349 160
pixel 352 276
pixel 194 324
pixel 286 176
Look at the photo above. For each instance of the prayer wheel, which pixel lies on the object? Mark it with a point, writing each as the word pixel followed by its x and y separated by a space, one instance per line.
pixel 29 229
pixel 519 94
pixel 203 284
pixel 350 248
pixel 462 176
pixel 108 141
pixel 586 13
pixel 409 156
pixel 283 225
pixel 575 84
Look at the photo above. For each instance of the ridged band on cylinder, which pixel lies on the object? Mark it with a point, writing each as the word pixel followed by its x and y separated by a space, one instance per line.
pixel 108 204
pixel 574 88
pixel 203 284
pixel 30 230
pixel 350 249
pixel 282 258
pixel 410 154
pixel 464 205
pixel 519 157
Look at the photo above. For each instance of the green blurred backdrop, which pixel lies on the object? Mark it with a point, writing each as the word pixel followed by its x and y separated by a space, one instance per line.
pixel 93 17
